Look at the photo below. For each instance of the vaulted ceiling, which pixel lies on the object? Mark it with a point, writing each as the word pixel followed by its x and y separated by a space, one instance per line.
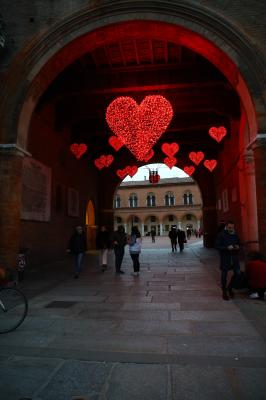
pixel 200 95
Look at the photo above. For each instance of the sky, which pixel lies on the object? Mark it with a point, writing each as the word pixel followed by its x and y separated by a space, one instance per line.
pixel 163 171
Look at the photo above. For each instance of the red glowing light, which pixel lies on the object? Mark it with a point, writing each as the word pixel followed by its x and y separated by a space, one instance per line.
pixel 170 161
pixel 149 155
pixel 210 164
pixel 217 133
pixel 121 173
pixel 78 149
pixel 170 149
pixel 189 170
pixel 139 126
pixel 115 143
pixel 196 157
pixel 131 171
pixel 104 161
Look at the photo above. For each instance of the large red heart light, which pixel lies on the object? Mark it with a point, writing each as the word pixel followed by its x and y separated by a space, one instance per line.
pixel 210 164
pixel 139 126
pixel 78 149
pixel 170 149
pixel 115 142
pixel 217 133
pixel 104 161
pixel 170 161
pixel 196 157
pixel 189 170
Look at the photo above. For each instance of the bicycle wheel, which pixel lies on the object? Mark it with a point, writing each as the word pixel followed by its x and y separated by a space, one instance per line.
pixel 13 309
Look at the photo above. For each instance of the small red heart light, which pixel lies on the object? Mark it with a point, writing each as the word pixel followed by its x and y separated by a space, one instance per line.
pixel 196 157
pixel 104 161
pixel 217 133
pixel 98 163
pixel 121 173
pixel 131 171
pixel 139 126
pixel 78 149
pixel 170 149
pixel 189 170
pixel 170 161
pixel 210 164
pixel 149 155
pixel 115 143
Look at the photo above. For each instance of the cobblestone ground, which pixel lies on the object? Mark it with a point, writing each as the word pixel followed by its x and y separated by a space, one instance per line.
pixel 165 335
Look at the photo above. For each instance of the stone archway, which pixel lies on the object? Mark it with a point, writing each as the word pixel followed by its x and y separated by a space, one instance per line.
pixel 38 65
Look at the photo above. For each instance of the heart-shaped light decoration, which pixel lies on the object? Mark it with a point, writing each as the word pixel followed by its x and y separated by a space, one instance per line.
pixel 104 161
pixel 170 149
pixel 78 149
pixel 122 173
pixel 139 126
pixel 98 163
pixel 149 155
pixel 210 164
pixel 170 161
pixel 189 170
pixel 131 170
pixel 217 133
pixel 115 143
pixel 196 157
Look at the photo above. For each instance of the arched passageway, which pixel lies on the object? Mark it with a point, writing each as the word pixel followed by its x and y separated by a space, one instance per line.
pixel 61 85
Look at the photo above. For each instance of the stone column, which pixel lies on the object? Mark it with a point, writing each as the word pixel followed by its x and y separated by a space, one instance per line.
pixel 161 229
pixel 11 158
pixel 198 224
pixel 251 223
pixel 179 225
pixel 259 152
pixel 142 229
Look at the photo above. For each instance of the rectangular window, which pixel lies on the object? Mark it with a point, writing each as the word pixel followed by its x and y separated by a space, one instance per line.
pixel 170 218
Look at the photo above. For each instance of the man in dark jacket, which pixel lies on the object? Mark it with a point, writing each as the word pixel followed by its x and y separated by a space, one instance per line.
pixel 77 246
pixel 119 242
pixel 173 237
pixel 228 243
pixel 181 238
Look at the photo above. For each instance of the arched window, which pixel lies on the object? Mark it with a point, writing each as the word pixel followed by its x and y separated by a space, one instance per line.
pixel 133 200
pixel 169 199
pixel 117 201
pixel 151 200
pixel 188 198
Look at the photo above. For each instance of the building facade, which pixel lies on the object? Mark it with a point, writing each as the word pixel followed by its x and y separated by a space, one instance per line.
pixel 173 201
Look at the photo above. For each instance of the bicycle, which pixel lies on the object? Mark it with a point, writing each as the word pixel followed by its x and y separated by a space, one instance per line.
pixel 13 308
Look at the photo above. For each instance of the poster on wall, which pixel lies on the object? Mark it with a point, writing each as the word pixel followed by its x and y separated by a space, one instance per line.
pixel 36 191
pixel 72 202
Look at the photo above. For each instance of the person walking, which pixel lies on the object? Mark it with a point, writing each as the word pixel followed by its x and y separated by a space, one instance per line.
pixel 135 242
pixel 228 244
pixel 173 237
pixel 119 243
pixel 181 238
pixel 153 234
pixel 103 243
pixel 77 246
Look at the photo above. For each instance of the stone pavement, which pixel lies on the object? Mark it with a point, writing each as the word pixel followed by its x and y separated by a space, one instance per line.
pixel 165 335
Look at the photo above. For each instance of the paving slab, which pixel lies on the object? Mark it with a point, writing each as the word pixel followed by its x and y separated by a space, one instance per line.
pixel 164 335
